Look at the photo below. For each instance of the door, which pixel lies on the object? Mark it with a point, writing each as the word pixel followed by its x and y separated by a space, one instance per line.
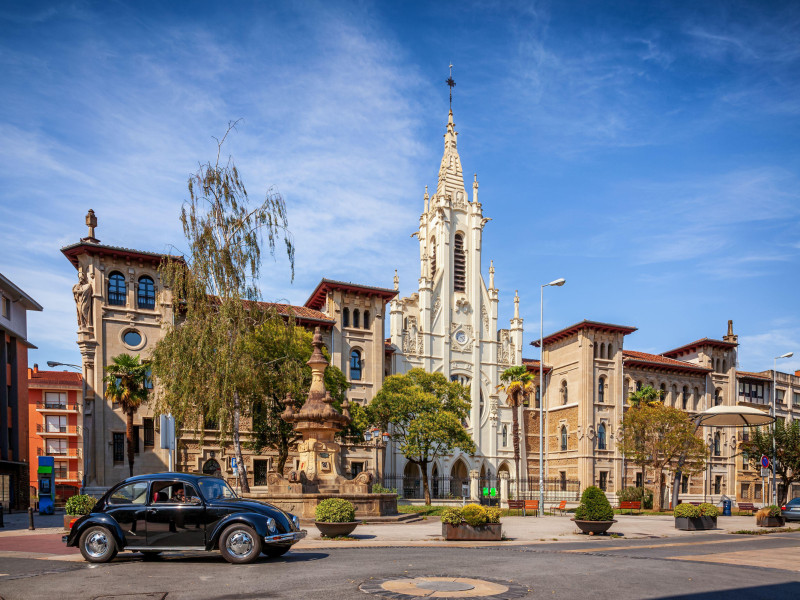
pixel 127 505
pixel 175 516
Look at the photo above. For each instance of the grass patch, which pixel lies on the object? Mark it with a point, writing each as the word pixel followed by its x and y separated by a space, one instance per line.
pixel 766 531
pixel 420 510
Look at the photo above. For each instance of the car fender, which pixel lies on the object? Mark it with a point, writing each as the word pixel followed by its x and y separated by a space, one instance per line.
pixel 92 520
pixel 254 520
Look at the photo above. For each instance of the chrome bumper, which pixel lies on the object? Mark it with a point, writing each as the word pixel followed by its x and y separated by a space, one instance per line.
pixel 292 537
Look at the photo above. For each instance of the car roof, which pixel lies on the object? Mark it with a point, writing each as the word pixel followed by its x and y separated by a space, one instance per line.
pixel 190 477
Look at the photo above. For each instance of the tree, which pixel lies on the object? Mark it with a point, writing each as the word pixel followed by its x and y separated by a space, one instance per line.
pixel 787 452
pixel 658 436
pixel 645 396
pixel 202 364
pixel 127 385
pixel 423 413
pixel 519 385
pixel 283 348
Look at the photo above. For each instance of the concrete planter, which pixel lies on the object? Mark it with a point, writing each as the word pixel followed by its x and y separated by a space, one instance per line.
pixel 594 527
pixel 490 532
pixel 771 522
pixel 336 529
pixel 695 523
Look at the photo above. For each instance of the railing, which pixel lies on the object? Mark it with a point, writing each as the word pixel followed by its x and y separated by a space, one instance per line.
pixel 441 488
pixel 58 429
pixel 554 489
pixel 56 405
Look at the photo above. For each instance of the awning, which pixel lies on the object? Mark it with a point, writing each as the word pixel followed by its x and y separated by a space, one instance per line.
pixel 733 416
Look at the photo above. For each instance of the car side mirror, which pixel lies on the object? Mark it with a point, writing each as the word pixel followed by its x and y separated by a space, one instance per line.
pixel 195 500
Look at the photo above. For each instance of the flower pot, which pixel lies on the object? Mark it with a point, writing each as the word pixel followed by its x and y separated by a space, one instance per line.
pixel 336 529
pixel 594 527
pixel 695 523
pixel 489 532
pixel 771 522
pixel 68 519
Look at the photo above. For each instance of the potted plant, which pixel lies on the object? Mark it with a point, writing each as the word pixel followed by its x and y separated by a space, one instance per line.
pixel 472 523
pixel 770 516
pixel 335 517
pixel 594 514
pixel 689 517
pixel 77 506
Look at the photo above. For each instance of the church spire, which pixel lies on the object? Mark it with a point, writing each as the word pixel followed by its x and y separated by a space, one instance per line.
pixel 451 177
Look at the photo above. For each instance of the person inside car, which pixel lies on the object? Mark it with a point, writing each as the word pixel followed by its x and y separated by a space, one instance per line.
pixel 179 495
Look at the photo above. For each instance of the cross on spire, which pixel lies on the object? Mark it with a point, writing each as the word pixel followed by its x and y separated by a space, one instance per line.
pixel 450 82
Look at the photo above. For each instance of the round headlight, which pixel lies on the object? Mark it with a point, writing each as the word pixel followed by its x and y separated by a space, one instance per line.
pixel 271 524
pixel 296 522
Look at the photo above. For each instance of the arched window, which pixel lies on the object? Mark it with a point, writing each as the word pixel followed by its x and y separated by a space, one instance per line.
pixel 563 437
pixel 724 365
pixel 346 317
pixel 610 351
pixel 116 289
pixel 355 365
pixel 602 350
pixel 459 264
pixel 356 319
pixel 146 294
pixel 366 319
pixel 564 395
pixel 664 392
pixel 505 435
pixel 596 348
pixel 696 399
pixel 601 437
pixel 685 398
pixel 717 445
pixel 638 386
pixel 601 390
pixel 717 397
pixel 433 257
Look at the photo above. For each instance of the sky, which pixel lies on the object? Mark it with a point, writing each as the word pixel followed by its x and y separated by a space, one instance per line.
pixel 647 152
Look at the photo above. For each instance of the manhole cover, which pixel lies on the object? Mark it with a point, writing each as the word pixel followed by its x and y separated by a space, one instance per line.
pixel 443 586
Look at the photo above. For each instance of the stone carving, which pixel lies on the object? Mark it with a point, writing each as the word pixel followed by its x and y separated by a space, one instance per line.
pixel 460 201
pixel 410 337
pixel 493 409
pixel 82 292
pixel 462 305
pixel 437 305
pixel 485 321
pixel 507 350
pixel 466 341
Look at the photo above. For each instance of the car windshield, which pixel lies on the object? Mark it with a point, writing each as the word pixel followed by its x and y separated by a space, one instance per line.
pixel 214 488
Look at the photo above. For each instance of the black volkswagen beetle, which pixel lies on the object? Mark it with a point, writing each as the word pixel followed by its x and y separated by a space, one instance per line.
pixel 177 511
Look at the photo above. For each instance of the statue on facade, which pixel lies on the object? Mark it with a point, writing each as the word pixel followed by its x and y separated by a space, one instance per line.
pixel 82 292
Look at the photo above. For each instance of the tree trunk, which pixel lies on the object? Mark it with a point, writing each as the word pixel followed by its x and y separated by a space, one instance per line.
pixel 515 439
pixel 676 486
pixel 283 456
pixel 658 497
pixel 425 487
pixel 237 446
pixel 129 436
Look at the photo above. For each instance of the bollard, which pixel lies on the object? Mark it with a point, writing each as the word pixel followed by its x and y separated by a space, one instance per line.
pixel 30 518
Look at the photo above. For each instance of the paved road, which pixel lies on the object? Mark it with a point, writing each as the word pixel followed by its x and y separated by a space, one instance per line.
pixel 704 567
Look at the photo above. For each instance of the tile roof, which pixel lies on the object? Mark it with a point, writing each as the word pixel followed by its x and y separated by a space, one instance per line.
pixel 633 356
pixel 65 378
pixel 533 364
pixel 701 342
pixel 74 250
pixel 753 375
pixel 301 313
pixel 585 324
pixel 317 297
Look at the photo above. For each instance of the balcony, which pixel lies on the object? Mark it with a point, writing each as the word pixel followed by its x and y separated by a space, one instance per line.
pixel 56 408
pixel 69 453
pixel 58 430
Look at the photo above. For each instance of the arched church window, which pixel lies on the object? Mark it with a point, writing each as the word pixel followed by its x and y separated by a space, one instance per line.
pixel 366 319
pixel 459 264
pixel 356 319
pixel 116 289
pixel 563 437
pixel 355 365
pixel 346 317
pixel 146 294
pixel 601 437
pixel 505 435
pixel 717 444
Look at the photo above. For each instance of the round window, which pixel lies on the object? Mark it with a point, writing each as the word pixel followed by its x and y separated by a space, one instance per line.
pixel 132 338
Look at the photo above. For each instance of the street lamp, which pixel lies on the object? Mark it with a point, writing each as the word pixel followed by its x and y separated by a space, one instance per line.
pixel 52 363
pixel 775 416
pixel 556 283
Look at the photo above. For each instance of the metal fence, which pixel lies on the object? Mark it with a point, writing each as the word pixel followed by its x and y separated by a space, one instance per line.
pixel 441 488
pixel 555 490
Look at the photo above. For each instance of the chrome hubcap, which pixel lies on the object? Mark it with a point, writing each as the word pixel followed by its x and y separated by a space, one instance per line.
pixel 240 544
pixel 97 545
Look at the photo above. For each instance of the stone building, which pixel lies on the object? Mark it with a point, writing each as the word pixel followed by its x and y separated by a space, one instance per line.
pixel 450 323
pixel 121 307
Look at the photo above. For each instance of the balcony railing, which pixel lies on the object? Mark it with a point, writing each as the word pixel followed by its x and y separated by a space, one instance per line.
pixel 68 453
pixel 54 405
pixel 58 429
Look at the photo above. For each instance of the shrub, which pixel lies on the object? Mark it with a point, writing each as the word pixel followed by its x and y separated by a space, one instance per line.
pixel 377 488
pixel 335 510
pixel 474 514
pixel 636 494
pixel 768 511
pixel 493 514
pixel 80 504
pixel 708 510
pixel 452 516
pixel 688 510
pixel 594 506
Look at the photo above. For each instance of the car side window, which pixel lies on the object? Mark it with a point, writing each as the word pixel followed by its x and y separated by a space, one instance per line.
pixel 132 493
pixel 173 492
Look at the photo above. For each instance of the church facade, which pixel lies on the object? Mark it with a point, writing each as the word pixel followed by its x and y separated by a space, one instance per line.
pixel 450 323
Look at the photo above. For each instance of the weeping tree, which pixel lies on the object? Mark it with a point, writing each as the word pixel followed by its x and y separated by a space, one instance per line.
pixel 126 384
pixel 518 385
pixel 203 365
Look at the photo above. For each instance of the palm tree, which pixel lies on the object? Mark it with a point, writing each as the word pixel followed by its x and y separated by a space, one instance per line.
pixel 519 385
pixel 647 396
pixel 127 385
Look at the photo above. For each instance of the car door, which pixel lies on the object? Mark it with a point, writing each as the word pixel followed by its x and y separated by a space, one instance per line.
pixel 174 521
pixel 127 505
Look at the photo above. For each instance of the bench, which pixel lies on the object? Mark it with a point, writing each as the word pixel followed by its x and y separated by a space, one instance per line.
pixel 631 505
pixel 516 505
pixel 748 506
pixel 533 506
pixel 560 507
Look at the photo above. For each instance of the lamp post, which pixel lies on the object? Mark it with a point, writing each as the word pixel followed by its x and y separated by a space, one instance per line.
pixel 775 416
pixel 52 363
pixel 556 283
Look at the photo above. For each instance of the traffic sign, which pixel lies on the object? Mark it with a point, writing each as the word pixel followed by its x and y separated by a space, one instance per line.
pixel 765 461
pixel 233 464
pixel 765 472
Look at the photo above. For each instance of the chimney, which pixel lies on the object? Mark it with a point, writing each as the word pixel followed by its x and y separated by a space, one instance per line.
pixel 797 373
pixel 730 337
pixel 35 369
pixel 30 372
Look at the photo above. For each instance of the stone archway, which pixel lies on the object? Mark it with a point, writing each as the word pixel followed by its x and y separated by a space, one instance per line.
pixel 211 467
pixel 459 477
pixel 412 481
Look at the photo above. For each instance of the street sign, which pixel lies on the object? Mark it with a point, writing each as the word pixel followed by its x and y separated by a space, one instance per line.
pixel 765 472
pixel 233 464
pixel 764 461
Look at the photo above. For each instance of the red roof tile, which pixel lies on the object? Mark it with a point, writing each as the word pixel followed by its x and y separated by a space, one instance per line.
pixel 585 324
pixel 317 297
pixel 698 343
pixel 533 365
pixel 753 375
pixel 633 356
pixel 65 378
pixel 301 313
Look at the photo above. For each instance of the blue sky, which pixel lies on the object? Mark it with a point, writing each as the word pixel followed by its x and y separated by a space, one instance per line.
pixel 647 152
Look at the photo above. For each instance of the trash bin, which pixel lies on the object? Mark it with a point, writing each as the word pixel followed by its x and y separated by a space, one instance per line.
pixel 726 508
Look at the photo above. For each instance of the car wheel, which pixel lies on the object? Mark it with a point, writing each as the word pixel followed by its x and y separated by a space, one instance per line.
pixel 276 551
pixel 240 544
pixel 97 545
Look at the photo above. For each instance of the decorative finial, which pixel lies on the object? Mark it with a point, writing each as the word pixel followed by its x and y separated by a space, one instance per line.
pixel 396 281
pixel 516 304
pixel 450 82
pixel 491 274
pixel 91 223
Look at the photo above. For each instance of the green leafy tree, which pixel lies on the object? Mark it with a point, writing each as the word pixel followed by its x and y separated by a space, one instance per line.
pixel 518 384
pixel 203 364
pixel 787 451
pixel 126 383
pixel 658 437
pixel 646 396
pixel 424 414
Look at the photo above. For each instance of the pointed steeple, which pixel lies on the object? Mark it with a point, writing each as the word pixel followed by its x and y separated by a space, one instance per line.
pixel 451 176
